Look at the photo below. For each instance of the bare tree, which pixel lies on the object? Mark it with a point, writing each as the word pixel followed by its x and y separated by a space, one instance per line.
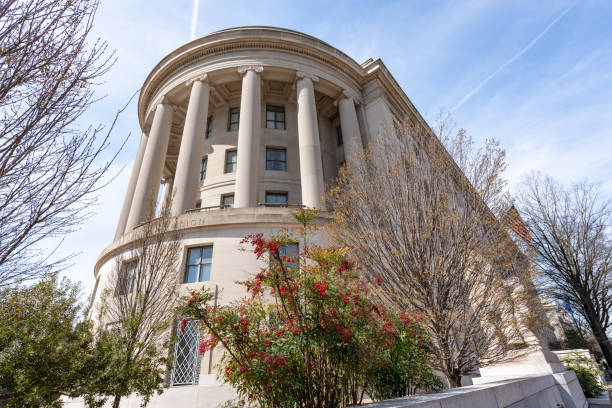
pixel 483 166
pixel 49 167
pixel 571 231
pixel 137 306
pixel 415 220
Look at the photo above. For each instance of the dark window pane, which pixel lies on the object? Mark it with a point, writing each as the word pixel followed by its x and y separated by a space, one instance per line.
pixel 228 200
pixel 230 161
pixel 234 119
pixel 203 169
pixel 275 117
pixel 209 126
pixel 205 272
pixel 276 198
pixel 276 159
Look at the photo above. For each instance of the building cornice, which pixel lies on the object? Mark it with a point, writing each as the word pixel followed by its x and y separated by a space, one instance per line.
pixel 248 38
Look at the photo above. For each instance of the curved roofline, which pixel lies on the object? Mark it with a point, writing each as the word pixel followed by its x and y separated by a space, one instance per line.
pixel 164 68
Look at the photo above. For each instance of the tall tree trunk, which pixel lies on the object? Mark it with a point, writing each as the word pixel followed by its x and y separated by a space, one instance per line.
pixel 116 401
pixel 602 338
pixel 454 380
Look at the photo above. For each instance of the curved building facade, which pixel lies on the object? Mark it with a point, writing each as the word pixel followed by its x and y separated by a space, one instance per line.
pixel 240 126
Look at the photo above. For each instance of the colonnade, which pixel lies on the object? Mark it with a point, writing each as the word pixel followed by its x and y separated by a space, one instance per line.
pixel 146 174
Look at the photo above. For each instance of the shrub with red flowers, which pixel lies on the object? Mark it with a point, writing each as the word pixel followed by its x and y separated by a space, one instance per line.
pixel 308 333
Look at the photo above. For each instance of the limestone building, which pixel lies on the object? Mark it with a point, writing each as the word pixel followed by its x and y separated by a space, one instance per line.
pixel 240 126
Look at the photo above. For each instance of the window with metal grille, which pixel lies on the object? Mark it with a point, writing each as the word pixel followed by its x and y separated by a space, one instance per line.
pixel 203 168
pixel 199 261
pixel 187 359
pixel 209 126
pixel 275 117
pixel 276 159
pixel 227 200
pixel 127 274
pixel 276 198
pixel 230 161
pixel 234 119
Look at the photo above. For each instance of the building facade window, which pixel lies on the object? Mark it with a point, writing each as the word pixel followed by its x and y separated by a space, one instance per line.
pixel 199 261
pixel 234 119
pixel 276 198
pixel 209 126
pixel 227 200
pixel 276 159
pixel 230 161
pixel 127 276
pixel 339 136
pixel 291 251
pixel 203 168
pixel 275 117
pixel 187 359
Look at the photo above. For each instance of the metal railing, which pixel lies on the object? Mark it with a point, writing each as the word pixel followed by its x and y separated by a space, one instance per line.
pixel 213 207
pixel 281 205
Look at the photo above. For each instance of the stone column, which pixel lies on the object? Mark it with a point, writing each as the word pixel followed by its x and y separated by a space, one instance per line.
pixel 168 191
pixel 311 167
pixel 249 131
pixel 349 125
pixel 149 177
pixel 186 178
pixel 129 195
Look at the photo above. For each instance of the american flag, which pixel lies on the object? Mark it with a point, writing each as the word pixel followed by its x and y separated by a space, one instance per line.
pixel 513 220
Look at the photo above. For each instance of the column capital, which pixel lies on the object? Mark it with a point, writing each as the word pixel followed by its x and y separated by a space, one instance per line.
pixel 243 69
pixel 302 75
pixel 201 78
pixel 168 102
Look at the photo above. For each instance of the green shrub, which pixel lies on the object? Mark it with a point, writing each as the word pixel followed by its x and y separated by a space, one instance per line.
pixel 587 373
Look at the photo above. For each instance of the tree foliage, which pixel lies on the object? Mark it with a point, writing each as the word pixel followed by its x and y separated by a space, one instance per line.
pixel 46 349
pixel 570 229
pixel 49 166
pixel 308 333
pixel 417 221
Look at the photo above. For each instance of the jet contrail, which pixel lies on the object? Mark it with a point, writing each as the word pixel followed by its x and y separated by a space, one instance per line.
pixel 514 58
pixel 194 19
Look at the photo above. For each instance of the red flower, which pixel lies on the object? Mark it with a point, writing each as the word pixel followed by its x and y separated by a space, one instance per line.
pixel 344 297
pixel 243 369
pixel 321 287
pixel 183 325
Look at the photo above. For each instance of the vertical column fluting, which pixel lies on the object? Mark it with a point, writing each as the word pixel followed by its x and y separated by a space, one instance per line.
pixel 350 128
pixel 249 135
pixel 149 177
pixel 129 194
pixel 186 181
pixel 311 167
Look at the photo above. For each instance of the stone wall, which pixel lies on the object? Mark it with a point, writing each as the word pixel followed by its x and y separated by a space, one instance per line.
pixel 560 390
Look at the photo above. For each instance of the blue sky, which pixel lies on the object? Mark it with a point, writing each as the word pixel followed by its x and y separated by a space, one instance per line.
pixel 549 102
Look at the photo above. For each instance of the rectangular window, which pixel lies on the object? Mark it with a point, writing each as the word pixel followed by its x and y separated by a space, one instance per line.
pixel 127 275
pixel 275 117
pixel 209 126
pixel 276 159
pixel 227 200
pixel 278 199
pixel 234 119
pixel 203 168
pixel 292 252
pixel 230 161
pixel 187 360
pixel 199 261
pixel 198 204
pixel 339 136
